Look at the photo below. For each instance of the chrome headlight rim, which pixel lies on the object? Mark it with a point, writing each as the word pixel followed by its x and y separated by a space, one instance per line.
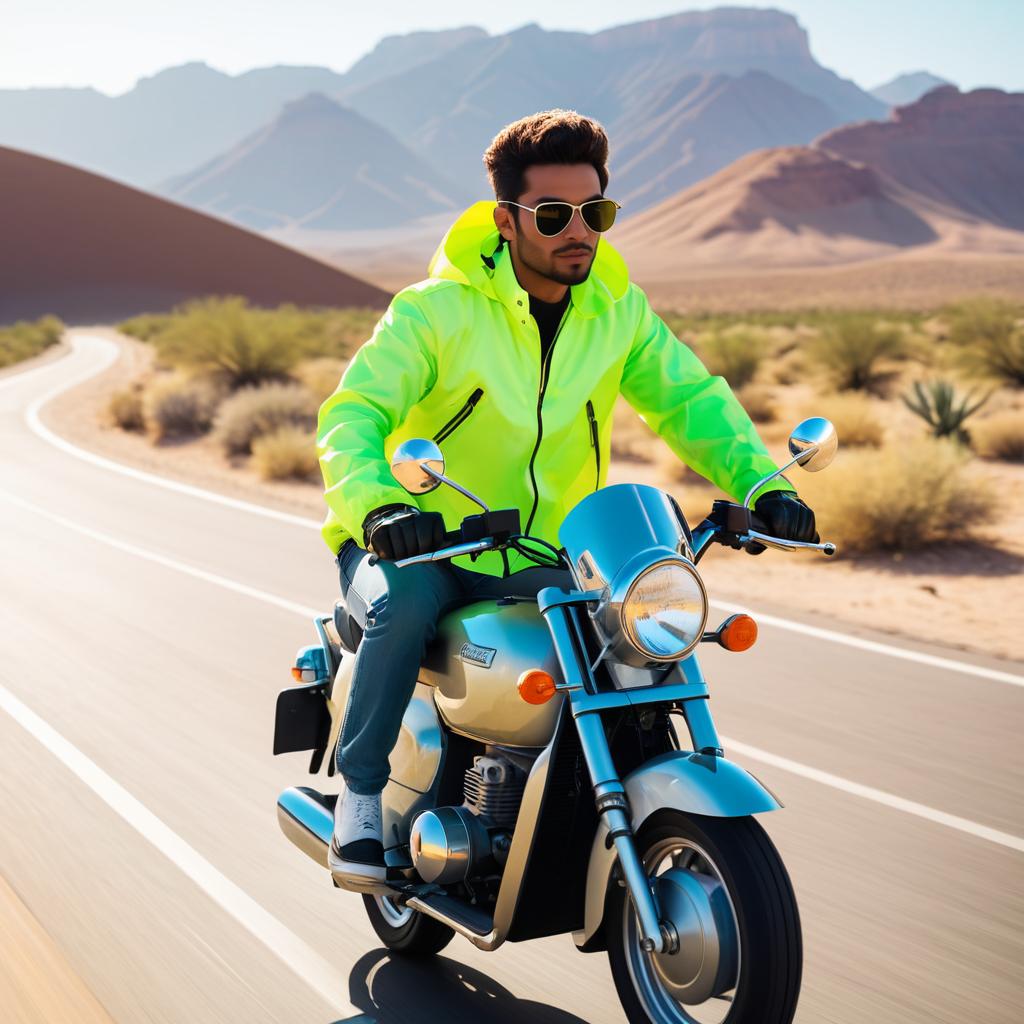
pixel 626 623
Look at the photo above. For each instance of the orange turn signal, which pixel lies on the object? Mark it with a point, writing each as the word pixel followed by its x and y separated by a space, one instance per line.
pixel 536 686
pixel 296 673
pixel 738 633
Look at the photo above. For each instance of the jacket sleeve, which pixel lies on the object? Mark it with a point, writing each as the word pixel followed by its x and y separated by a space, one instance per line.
pixel 696 414
pixel 389 374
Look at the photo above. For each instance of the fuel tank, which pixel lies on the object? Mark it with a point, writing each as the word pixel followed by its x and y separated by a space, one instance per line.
pixel 474 665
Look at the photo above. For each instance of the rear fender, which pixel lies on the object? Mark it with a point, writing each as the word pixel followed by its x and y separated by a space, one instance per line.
pixel 682 781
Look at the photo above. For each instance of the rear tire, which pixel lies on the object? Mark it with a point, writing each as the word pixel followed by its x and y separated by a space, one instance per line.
pixel 406 931
pixel 746 863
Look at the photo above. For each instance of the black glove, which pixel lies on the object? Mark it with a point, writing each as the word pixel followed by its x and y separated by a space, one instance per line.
pixel 401 531
pixel 785 516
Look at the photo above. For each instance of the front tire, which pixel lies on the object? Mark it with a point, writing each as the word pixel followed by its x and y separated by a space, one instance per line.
pixel 406 931
pixel 760 983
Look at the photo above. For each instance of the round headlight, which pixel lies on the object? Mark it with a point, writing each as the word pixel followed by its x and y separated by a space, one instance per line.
pixel 665 610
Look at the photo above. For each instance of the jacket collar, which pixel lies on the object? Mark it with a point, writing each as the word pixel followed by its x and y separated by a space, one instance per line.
pixel 469 254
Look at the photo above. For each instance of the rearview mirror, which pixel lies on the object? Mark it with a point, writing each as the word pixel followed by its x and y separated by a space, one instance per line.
pixel 410 461
pixel 813 443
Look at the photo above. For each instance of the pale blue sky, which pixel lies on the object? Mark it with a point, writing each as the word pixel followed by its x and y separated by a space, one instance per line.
pixel 109 44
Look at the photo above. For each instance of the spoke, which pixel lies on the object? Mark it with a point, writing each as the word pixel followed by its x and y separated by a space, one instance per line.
pixel 685 858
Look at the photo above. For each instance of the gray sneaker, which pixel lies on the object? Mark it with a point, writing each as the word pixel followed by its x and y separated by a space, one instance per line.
pixel 357 851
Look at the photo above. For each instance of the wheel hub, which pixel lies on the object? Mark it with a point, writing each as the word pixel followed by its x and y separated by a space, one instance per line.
pixel 697 907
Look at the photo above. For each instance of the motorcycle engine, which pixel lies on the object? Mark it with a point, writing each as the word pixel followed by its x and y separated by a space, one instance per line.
pixel 452 844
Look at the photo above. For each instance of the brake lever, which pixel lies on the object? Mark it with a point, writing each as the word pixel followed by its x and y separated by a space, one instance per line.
pixel 451 552
pixel 827 548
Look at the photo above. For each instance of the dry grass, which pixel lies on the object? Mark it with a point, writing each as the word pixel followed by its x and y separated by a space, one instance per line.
pixel 734 353
pixel 26 338
pixel 759 401
pixel 1000 436
pixel 253 412
pixel 899 499
pixel 288 453
pixel 179 406
pixel 125 408
pixel 321 376
pixel 855 416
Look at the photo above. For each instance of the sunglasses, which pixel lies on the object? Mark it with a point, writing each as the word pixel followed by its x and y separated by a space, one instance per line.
pixel 552 218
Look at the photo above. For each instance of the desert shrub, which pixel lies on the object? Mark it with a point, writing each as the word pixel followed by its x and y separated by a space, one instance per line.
pixel 759 401
pixel 256 411
pixel 853 415
pixel 176 406
pixel 945 411
pixel 126 408
pixel 145 326
pixel 226 337
pixel 989 335
pixel 734 353
pixel 1000 436
pixel 28 338
pixel 286 453
pixel 899 498
pixel 851 347
pixel 320 376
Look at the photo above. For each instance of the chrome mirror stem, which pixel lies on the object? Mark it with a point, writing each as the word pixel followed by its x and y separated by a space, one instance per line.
pixel 771 476
pixel 451 483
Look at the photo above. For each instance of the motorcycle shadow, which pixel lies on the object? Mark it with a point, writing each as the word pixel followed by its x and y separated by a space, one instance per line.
pixel 390 990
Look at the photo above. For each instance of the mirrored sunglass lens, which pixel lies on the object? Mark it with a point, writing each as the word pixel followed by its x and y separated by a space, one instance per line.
pixel 599 215
pixel 553 217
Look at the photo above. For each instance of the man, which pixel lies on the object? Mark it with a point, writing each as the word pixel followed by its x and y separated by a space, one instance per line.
pixel 510 355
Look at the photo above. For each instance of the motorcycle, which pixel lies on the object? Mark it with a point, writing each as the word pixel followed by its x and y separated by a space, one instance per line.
pixel 539 785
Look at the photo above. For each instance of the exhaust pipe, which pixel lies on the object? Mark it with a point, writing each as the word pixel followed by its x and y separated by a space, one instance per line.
pixel 306 817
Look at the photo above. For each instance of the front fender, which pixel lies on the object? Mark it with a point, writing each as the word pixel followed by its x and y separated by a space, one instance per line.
pixel 678 780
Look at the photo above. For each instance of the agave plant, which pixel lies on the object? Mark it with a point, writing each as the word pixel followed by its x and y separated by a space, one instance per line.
pixel 939 405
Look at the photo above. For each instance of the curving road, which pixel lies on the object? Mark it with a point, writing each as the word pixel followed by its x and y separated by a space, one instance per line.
pixel 146 630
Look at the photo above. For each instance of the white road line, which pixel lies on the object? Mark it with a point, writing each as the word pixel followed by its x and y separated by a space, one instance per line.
pixel 878 796
pixel 932 660
pixel 795 767
pixel 302 959
pixel 40 429
pixel 832 636
pixel 164 560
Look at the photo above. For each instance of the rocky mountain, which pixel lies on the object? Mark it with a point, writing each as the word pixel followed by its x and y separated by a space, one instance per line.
pixel 90 249
pixel 963 150
pixel 944 172
pixel 907 88
pixel 456 103
pixel 445 94
pixel 318 166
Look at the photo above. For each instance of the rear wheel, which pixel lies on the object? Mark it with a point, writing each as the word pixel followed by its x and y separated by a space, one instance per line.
pixel 404 930
pixel 723 885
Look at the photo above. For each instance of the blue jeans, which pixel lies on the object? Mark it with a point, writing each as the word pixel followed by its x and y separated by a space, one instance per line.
pixel 398 610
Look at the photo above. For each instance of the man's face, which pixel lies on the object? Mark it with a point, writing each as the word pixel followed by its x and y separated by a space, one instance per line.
pixel 567 257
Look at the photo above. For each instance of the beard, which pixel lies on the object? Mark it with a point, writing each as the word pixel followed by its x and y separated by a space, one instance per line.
pixel 540 262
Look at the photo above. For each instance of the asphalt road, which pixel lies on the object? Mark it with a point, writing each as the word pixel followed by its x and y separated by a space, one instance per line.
pixel 145 634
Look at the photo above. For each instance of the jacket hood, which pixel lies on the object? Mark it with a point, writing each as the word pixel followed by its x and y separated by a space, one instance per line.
pixel 469 254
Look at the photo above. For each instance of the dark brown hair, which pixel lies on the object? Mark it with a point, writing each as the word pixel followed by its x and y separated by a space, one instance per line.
pixel 548 137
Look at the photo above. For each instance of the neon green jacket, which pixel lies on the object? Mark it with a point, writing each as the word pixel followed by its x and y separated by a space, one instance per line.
pixel 456 358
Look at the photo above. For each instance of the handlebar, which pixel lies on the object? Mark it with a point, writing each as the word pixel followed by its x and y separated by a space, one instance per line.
pixel 449 552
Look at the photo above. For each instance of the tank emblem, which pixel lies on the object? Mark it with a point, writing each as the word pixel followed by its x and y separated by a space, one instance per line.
pixel 477 655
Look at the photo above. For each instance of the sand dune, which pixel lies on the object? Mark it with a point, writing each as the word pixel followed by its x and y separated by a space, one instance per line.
pixel 87 248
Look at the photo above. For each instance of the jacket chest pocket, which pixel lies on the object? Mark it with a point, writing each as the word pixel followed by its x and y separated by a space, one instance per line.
pixel 460 417
pixel 595 442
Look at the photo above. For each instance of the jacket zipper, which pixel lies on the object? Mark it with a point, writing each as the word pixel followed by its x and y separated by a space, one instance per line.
pixel 595 440
pixel 460 417
pixel 544 369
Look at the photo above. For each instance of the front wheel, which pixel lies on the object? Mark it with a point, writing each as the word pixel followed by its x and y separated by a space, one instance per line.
pixel 404 930
pixel 723 885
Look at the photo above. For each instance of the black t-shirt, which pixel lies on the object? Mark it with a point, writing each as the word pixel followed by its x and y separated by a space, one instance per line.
pixel 548 316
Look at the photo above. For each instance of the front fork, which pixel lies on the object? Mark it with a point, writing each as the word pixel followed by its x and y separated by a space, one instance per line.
pixel 659 936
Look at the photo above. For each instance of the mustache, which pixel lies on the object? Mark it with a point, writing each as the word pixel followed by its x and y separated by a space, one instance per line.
pixel 573 248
